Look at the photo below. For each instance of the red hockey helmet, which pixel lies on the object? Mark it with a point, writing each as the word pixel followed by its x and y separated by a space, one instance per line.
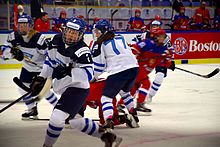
pixel 157 32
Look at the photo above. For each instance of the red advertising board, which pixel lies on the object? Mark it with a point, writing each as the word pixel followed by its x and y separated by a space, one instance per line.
pixel 196 45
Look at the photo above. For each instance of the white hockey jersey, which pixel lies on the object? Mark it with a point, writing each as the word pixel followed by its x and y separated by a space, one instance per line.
pixel 34 50
pixel 113 56
pixel 78 56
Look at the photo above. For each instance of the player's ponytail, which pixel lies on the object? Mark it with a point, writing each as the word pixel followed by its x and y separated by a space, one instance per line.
pixel 31 33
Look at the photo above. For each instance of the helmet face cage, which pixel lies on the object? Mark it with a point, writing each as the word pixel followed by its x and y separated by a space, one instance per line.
pixel 24 25
pixel 74 31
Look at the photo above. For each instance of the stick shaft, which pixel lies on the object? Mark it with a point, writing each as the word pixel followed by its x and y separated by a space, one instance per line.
pixel 14 102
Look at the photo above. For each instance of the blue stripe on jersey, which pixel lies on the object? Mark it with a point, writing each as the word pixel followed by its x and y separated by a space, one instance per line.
pixel 54 101
pixel 88 74
pixel 98 70
pixel 123 40
pixel 99 64
pixel 4 47
pixel 86 125
pixel 52 61
pixel 52 135
pixel 114 48
pixel 48 63
pixel 93 128
pixel 55 128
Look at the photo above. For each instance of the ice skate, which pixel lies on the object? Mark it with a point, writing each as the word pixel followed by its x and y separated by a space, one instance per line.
pixel 108 124
pixel 130 121
pixel 149 99
pixel 120 108
pixel 133 112
pixel 110 139
pixel 141 107
pixel 30 114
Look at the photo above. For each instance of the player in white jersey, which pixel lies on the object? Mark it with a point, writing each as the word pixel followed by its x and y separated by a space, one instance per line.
pixel 112 54
pixel 29 47
pixel 70 64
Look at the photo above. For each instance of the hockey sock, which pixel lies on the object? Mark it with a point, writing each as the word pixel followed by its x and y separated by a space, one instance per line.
pixel 107 107
pixel 128 99
pixel 156 83
pixel 142 93
pixel 51 98
pixel 86 126
pixel 56 124
pixel 28 100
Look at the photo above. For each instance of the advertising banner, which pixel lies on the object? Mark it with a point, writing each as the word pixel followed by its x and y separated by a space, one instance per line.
pixel 196 45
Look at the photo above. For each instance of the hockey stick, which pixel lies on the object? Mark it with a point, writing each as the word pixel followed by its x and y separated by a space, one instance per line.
pixel 14 102
pixel 45 89
pixel 112 14
pixel 214 72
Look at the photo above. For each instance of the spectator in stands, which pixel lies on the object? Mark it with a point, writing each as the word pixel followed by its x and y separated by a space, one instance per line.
pixel 59 23
pixel 42 24
pixel 217 20
pixel 199 16
pixel 181 21
pixel 177 4
pixel 135 23
pixel 21 11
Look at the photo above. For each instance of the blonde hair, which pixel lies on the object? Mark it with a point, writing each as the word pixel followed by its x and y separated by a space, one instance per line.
pixel 31 33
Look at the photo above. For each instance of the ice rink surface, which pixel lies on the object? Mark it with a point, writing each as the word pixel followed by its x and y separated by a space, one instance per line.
pixel 186 113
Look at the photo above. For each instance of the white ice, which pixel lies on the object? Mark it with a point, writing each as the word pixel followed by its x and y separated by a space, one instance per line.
pixel 186 113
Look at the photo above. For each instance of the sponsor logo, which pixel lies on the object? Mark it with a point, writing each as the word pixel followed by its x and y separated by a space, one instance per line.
pixel 180 46
pixel 207 46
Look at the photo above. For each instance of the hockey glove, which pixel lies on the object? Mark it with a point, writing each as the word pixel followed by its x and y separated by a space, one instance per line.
pixel 61 71
pixel 172 66
pixel 37 85
pixel 17 53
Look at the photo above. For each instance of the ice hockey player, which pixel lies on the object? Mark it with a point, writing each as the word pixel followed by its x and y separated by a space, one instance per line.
pixel 70 64
pixel 29 47
pixel 112 54
pixel 161 70
pixel 150 53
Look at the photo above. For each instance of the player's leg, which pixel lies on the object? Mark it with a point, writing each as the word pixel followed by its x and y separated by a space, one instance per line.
pixel 26 77
pixel 69 105
pixel 51 97
pixel 142 95
pixel 161 72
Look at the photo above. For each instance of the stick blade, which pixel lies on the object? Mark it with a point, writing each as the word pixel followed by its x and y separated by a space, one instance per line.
pixel 216 71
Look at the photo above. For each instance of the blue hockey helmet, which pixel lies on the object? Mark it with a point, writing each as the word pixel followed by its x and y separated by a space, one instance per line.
pixel 74 25
pixel 25 23
pixel 25 19
pixel 103 25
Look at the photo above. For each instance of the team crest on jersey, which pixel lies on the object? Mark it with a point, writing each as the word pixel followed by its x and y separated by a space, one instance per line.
pixel 180 46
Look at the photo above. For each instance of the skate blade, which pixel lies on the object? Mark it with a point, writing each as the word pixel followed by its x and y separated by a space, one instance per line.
pixel 30 118
pixel 142 113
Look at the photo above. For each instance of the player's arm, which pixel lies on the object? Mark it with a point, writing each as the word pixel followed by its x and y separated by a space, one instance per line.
pixel 10 50
pixel 84 65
